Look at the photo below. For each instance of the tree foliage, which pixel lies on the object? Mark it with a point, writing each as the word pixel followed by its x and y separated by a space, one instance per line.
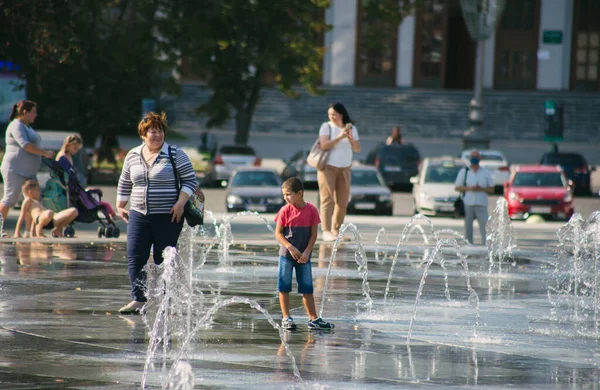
pixel 240 46
pixel 87 64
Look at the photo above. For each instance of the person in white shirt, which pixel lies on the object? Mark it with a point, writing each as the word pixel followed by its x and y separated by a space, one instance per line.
pixel 340 137
pixel 476 188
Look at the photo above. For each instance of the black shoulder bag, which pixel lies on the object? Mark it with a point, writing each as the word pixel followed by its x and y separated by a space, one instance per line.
pixel 459 205
pixel 194 208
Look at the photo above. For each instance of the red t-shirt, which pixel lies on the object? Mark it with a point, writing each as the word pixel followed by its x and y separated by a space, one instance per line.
pixel 297 225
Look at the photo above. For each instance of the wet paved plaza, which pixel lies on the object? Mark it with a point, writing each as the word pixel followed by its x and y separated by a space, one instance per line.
pixel 60 328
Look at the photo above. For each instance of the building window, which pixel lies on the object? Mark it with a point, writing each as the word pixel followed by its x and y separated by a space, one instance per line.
pixel 516 46
pixel 430 44
pixel 586 46
pixel 376 46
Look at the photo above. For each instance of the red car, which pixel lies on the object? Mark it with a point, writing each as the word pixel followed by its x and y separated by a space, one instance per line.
pixel 539 189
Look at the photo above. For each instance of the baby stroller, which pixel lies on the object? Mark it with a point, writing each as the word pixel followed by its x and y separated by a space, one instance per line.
pixel 63 190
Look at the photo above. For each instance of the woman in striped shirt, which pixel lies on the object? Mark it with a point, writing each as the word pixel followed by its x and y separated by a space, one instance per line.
pixel 157 197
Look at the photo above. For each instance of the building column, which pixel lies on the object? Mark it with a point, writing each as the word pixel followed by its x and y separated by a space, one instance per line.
pixel 489 57
pixel 338 64
pixel 554 58
pixel 405 52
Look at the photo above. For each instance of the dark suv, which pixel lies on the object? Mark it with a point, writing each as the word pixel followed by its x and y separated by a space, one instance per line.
pixel 575 168
pixel 396 163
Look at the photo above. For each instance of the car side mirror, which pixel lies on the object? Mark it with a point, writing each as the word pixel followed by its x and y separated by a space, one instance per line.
pixel 414 180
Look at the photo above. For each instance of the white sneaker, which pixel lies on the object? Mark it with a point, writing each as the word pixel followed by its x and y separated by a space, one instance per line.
pixel 328 236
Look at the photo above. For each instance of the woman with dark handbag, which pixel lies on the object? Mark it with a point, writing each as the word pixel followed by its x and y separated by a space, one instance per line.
pixel 340 138
pixel 158 191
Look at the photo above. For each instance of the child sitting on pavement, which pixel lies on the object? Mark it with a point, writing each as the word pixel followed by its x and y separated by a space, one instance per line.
pixel 37 217
pixel 296 232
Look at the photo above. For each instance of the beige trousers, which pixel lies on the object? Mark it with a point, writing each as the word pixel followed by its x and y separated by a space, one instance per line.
pixel 334 191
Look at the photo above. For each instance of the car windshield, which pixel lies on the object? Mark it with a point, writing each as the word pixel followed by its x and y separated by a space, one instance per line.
pixel 366 178
pixel 239 150
pixel 564 159
pixel 491 157
pixel 538 179
pixel 484 156
pixel 399 155
pixel 255 179
pixel 442 173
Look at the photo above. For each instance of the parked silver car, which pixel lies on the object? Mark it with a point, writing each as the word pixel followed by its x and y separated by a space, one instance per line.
pixel 229 158
pixel 254 189
pixel 433 188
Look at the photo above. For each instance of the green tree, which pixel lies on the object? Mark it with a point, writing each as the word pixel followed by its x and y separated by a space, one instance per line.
pixel 237 45
pixel 87 64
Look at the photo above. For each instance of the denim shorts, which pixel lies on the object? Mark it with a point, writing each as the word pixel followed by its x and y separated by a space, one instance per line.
pixel 303 276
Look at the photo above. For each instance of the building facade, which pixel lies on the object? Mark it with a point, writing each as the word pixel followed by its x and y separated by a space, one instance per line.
pixel 551 45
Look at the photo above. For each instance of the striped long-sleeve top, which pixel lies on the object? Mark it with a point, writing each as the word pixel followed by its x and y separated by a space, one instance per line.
pixel 155 189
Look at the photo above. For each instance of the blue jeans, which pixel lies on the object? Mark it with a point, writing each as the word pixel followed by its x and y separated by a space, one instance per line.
pixel 143 231
pixel 303 276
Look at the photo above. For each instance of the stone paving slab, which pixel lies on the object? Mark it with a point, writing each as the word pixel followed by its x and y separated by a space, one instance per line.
pixel 60 330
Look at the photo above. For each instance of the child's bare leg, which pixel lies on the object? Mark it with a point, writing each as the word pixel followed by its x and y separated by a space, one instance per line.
pixel 309 305
pixel 43 220
pixel 62 219
pixel 284 303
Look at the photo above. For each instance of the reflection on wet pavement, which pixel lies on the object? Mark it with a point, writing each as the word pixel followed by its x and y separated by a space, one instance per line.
pixel 60 328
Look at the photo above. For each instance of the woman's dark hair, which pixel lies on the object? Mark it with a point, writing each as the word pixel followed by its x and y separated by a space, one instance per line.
pixel 21 108
pixel 340 109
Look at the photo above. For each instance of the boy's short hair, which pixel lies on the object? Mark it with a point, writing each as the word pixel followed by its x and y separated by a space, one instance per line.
pixel 293 184
pixel 30 185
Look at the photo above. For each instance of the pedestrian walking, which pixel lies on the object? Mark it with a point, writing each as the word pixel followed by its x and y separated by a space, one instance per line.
pixel 340 138
pixel 23 155
pixel 157 196
pixel 476 186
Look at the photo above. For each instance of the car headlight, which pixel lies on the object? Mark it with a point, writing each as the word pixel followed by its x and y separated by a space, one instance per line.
pixel 275 200
pixel 385 198
pixel 568 197
pixel 424 196
pixel 514 196
pixel 234 199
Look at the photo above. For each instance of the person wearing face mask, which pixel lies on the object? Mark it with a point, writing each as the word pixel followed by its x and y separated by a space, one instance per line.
pixel 476 187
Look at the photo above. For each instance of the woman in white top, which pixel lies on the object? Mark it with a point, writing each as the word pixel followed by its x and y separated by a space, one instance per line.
pixel 340 137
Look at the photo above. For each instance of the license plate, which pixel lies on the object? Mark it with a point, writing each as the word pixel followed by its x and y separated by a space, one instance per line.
pixel 446 208
pixel 257 207
pixel 392 169
pixel 364 206
pixel 540 210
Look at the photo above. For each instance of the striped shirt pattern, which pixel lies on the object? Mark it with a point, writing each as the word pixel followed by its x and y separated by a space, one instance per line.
pixel 154 189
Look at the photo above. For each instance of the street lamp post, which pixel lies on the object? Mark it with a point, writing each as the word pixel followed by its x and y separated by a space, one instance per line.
pixel 481 18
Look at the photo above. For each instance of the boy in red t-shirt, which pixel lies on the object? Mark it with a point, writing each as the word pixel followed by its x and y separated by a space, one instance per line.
pixel 296 232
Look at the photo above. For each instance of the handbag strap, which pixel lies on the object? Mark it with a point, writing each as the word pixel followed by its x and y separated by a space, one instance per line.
pixel 465 182
pixel 172 159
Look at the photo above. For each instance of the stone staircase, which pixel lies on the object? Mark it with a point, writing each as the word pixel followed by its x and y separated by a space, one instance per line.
pixel 423 113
